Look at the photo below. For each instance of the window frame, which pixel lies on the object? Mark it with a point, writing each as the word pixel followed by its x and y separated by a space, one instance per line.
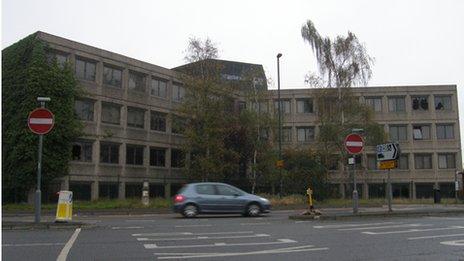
pixel 422 101
pixel 447 160
pixel 396 106
pixel 113 69
pixel 405 126
pixel 154 161
pixel 135 87
pixel 114 106
pixel 111 148
pixel 91 109
pixel 133 156
pixel 306 132
pixel 371 102
pixel 155 90
pixel 180 161
pixel 133 110
pixel 83 144
pixel 86 62
pixel 422 157
pixel 444 106
pixel 445 132
pixel 420 127
pixel 307 103
pixel 154 120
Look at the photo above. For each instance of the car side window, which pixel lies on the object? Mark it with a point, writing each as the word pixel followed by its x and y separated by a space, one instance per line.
pixel 227 191
pixel 205 189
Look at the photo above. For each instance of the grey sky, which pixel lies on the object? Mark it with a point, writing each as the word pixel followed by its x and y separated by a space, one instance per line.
pixel 413 42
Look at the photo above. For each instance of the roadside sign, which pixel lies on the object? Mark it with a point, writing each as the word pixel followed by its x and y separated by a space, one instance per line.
pixel 64 208
pixel 389 164
pixel 388 151
pixel 456 185
pixel 280 164
pixel 354 143
pixel 40 121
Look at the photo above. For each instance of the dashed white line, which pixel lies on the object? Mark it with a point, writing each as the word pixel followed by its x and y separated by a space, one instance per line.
pixel 191 233
pixel 279 241
pixel 436 236
pixel 453 243
pixel 117 228
pixel 32 244
pixel 252 224
pixel 65 251
pixel 411 230
pixel 353 225
pixel 200 238
pixel 383 227
pixel 205 225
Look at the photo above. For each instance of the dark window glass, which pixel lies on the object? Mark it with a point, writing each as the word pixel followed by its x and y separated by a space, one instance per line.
pixel 135 117
pixel 396 104
pixel 445 131
pixel 304 105
pixel 177 158
pixel 84 109
pixel 158 157
pixel 112 76
pixel 109 153
pixel 423 161
pixel 446 161
pixel 443 103
pixel 111 113
pixel 158 87
pixel 85 69
pixel 421 132
pixel 420 103
pixel 227 191
pixel 158 121
pixel 205 189
pixel 134 155
pixel 82 151
pixel 136 81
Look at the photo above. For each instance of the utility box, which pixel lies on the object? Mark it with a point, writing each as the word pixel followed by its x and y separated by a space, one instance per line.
pixel 64 208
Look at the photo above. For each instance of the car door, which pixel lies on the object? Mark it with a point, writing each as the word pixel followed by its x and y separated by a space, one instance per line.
pixel 231 199
pixel 206 197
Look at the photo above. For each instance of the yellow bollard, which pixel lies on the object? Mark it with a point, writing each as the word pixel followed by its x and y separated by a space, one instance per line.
pixel 310 198
pixel 64 208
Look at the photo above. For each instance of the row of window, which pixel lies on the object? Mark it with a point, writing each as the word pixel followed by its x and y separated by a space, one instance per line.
pixel 396 132
pixel 444 131
pixel 109 153
pixel 395 104
pixel 85 69
pixel 421 161
pixel 111 114
pixel 418 103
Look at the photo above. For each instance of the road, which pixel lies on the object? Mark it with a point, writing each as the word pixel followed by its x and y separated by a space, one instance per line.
pixel 270 237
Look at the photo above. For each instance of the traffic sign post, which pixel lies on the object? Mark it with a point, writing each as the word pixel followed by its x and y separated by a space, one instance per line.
pixel 387 156
pixel 40 122
pixel 354 144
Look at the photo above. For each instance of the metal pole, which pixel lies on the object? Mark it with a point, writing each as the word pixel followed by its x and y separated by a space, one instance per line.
pixel 456 186
pixel 389 192
pixel 280 121
pixel 355 191
pixel 38 193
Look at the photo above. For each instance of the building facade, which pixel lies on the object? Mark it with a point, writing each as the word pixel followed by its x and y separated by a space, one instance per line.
pixel 129 135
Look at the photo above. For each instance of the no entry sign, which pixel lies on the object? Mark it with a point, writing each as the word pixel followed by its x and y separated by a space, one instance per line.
pixel 354 143
pixel 40 121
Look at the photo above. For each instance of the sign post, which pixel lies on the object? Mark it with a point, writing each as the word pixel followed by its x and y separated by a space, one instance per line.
pixel 354 144
pixel 40 122
pixel 387 156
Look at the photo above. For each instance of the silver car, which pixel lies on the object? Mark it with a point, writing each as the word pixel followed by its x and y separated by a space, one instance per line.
pixel 217 198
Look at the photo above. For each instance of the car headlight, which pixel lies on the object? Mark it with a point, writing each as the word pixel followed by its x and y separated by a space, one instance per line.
pixel 264 200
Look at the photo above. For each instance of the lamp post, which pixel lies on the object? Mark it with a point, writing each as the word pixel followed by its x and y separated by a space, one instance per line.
pixel 280 121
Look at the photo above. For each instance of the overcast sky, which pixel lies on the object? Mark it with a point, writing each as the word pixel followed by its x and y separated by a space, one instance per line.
pixel 413 42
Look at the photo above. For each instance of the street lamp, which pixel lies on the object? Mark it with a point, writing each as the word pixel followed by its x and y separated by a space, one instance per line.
pixel 280 121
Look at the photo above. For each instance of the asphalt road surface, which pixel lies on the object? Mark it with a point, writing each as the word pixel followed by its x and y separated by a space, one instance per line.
pixel 270 237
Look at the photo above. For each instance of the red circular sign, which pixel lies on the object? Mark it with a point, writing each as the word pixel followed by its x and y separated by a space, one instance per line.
pixel 354 143
pixel 40 121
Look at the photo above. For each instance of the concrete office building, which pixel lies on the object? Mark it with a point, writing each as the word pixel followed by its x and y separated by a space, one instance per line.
pixel 130 139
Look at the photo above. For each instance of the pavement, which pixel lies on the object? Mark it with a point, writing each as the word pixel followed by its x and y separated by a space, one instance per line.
pixel 25 220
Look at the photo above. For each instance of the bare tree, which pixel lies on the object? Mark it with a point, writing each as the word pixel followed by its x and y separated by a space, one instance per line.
pixel 199 50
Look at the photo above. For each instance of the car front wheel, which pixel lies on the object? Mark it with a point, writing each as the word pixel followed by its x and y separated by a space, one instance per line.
pixel 253 210
pixel 190 211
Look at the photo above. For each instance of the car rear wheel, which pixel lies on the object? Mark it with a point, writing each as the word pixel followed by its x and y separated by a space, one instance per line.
pixel 190 211
pixel 253 210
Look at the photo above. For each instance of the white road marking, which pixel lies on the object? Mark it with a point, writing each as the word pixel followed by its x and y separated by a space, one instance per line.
pixel 65 251
pixel 279 241
pixel 200 238
pixel 206 225
pixel 126 227
pixel 191 233
pixel 448 218
pixel 383 227
pixel 262 252
pixel 252 224
pixel 32 244
pixel 141 220
pixel 437 236
pixel 352 225
pixel 411 230
pixel 453 243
